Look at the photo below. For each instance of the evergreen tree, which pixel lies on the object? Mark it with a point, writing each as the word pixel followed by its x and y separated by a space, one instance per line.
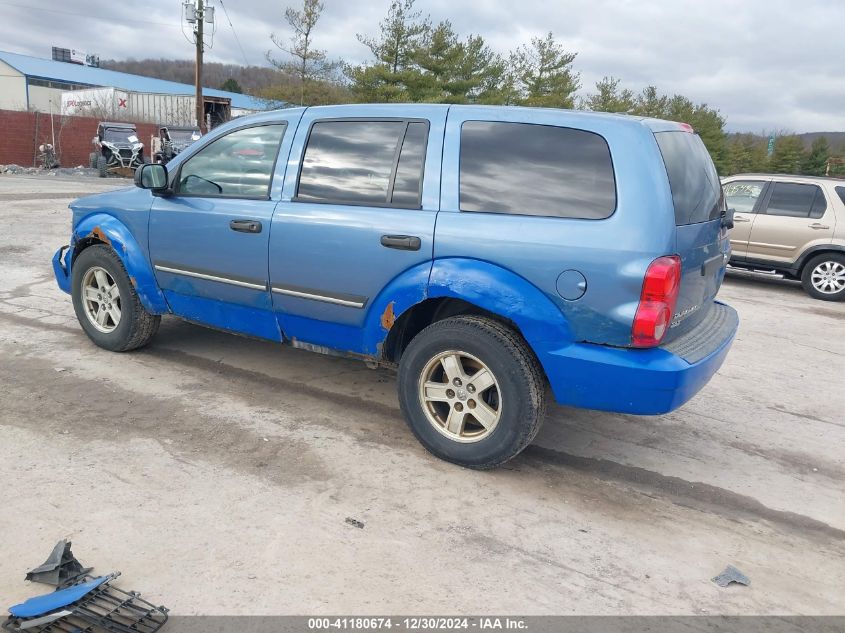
pixel 543 74
pixel 609 98
pixel 815 161
pixel 746 153
pixel 401 33
pixel 231 85
pixel 787 156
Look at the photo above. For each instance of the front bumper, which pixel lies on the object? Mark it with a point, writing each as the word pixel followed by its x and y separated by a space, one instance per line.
pixel 61 267
pixel 640 381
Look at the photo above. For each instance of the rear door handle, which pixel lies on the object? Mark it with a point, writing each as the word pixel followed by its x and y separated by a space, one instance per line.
pixel 245 226
pixel 401 242
pixel 816 225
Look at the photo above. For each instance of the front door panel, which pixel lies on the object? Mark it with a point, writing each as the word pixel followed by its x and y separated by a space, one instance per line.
pixel 208 241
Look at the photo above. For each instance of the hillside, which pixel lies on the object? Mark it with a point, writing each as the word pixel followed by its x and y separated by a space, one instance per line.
pixel 252 79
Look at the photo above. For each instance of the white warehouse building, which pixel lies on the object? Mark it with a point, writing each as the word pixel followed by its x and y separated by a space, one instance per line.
pixel 32 83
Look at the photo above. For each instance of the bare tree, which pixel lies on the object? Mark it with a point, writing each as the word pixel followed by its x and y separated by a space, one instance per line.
pixel 309 64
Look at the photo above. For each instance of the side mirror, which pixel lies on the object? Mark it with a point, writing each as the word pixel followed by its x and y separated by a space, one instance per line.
pixel 728 218
pixel 151 176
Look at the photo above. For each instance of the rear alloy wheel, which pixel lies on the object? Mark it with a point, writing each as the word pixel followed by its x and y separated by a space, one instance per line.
pixel 472 391
pixel 460 396
pixel 824 277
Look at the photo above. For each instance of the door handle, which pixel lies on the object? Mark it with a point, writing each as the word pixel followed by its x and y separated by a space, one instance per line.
pixel 739 218
pixel 816 225
pixel 245 226
pixel 401 242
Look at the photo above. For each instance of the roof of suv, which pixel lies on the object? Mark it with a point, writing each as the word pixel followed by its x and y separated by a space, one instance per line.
pixel 790 176
pixel 656 125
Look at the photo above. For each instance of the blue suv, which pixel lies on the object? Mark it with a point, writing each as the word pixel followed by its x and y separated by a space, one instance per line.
pixel 488 252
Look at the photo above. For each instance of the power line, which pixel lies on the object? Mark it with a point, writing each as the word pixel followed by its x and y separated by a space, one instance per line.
pixel 29 6
pixel 234 32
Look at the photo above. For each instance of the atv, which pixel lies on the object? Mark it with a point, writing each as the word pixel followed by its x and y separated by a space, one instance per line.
pixel 118 149
pixel 172 139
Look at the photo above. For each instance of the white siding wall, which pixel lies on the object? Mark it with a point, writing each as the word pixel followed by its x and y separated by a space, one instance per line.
pixel 39 99
pixel 12 89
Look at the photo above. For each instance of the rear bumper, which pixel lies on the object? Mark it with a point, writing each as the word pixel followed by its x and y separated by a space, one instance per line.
pixel 640 381
pixel 61 267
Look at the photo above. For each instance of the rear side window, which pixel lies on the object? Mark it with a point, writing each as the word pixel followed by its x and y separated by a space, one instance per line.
pixel 696 190
pixel 796 200
pixel 529 169
pixel 841 192
pixel 364 162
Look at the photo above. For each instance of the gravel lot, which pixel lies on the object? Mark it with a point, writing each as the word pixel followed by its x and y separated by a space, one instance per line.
pixel 217 472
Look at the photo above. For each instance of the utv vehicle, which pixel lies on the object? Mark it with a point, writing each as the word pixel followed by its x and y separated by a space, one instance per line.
pixel 172 139
pixel 117 149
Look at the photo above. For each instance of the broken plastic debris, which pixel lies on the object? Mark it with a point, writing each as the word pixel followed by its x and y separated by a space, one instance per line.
pixel 731 574
pixel 355 522
pixel 60 567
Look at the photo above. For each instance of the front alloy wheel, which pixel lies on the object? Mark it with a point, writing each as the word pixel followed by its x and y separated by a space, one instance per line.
pixel 102 299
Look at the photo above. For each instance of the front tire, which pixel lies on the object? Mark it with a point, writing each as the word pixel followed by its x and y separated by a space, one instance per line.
pixel 472 391
pixel 106 303
pixel 102 166
pixel 824 277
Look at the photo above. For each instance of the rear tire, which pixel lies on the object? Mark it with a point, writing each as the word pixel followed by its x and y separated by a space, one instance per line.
pixel 823 277
pixel 102 165
pixel 92 160
pixel 106 304
pixel 472 391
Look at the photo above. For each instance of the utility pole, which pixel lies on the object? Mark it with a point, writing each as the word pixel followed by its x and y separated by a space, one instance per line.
pixel 198 78
pixel 196 14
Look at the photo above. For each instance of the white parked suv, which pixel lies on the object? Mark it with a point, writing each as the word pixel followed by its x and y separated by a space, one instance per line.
pixel 793 226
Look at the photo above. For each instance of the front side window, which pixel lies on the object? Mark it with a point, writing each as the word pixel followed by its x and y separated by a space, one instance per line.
pixel 530 169
pixel 796 200
pixel 364 162
pixel 237 165
pixel 742 195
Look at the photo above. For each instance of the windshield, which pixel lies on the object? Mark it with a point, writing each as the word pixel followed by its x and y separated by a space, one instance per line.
pixel 182 136
pixel 119 135
pixel 696 190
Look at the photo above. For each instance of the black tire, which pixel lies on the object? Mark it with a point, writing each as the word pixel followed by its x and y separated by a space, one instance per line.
pixel 835 260
pixel 102 165
pixel 136 326
pixel 92 160
pixel 521 382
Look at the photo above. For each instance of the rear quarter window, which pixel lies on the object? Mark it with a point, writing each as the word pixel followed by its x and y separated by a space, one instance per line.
pixel 696 190
pixel 530 169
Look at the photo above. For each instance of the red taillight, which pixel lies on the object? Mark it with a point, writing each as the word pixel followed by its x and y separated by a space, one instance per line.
pixel 686 127
pixel 657 301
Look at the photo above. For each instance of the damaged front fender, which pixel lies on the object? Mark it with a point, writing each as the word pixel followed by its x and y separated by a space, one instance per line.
pixel 102 228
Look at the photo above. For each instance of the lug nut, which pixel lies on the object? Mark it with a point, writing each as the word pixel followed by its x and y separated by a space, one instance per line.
pixel 471 404
pixel 450 393
pixel 459 406
pixel 471 388
pixel 457 382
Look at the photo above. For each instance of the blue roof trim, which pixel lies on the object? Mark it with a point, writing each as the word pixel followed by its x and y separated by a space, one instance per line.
pixel 73 73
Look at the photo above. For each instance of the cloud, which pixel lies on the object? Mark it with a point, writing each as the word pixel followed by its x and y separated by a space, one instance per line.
pixel 765 64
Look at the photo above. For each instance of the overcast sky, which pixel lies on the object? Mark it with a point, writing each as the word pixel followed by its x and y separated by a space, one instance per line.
pixel 765 64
